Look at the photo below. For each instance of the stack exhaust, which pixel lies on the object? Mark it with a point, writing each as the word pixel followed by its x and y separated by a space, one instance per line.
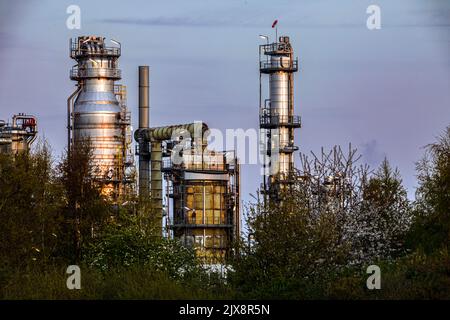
pixel 144 123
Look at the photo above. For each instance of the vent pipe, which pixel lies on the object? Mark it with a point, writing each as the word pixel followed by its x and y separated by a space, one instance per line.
pixel 144 155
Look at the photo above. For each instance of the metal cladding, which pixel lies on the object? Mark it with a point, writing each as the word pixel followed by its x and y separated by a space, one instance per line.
pixel 99 113
pixel 156 136
pixel 17 136
pixel 144 99
pixel 202 207
pixel 203 195
pixel 195 129
pixel 277 119
pixel 202 187
pixel 144 123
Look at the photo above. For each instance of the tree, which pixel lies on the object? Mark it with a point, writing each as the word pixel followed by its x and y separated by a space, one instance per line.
pixel 431 226
pixel 299 243
pixel 384 216
pixel 335 214
pixel 124 243
pixel 30 206
pixel 86 209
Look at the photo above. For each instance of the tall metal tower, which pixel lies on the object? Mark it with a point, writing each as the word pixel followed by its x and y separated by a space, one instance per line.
pixel 277 120
pixel 97 112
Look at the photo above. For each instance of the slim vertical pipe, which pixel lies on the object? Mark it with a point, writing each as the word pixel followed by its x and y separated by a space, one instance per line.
pixel 156 183
pixel 237 219
pixel 69 117
pixel 144 115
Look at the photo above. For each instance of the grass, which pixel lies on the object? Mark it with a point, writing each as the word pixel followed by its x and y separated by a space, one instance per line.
pixel 132 283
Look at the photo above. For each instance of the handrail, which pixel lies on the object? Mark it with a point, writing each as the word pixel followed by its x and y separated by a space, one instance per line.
pixel 276 119
pixel 275 47
pixel 193 221
pixel 76 73
pixel 268 65
pixel 76 50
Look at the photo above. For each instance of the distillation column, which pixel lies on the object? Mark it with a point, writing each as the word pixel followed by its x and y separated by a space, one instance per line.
pixel 277 119
pixel 98 114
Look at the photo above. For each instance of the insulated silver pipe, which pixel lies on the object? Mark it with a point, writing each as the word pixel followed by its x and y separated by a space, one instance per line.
pixel 196 130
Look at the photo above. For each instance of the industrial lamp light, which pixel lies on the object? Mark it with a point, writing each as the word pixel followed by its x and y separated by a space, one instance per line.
pixel 116 42
pixel 264 37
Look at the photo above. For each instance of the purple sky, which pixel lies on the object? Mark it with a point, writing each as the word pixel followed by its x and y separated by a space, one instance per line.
pixel 386 91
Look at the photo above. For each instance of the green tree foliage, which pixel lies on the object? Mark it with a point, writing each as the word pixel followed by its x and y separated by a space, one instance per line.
pixel 125 244
pixel 53 216
pixel 431 228
pixel 383 216
pixel 30 203
pixel 334 216
pixel 136 282
pixel 291 253
pixel 86 209
pixel 315 241
pixel 416 276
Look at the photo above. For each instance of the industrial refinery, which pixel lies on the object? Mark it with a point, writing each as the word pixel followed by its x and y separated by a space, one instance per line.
pixel 97 113
pixel 201 189
pixel 194 192
pixel 276 118
pixel 18 135
pixel 214 154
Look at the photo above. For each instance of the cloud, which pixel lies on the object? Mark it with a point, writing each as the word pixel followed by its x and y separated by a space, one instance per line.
pixel 199 22
pixel 166 21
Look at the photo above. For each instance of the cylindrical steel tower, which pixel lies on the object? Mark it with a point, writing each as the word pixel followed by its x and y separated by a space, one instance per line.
pixel 99 113
pixel 277 119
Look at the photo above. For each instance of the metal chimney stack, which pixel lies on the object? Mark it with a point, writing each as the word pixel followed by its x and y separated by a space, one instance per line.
pixel 144 123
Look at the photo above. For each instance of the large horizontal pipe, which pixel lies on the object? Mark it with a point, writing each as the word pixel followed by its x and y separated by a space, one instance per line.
pixel 156 136
pixel 165 133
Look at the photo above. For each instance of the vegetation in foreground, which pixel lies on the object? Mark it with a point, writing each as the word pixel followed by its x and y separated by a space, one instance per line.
pixel 316 244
